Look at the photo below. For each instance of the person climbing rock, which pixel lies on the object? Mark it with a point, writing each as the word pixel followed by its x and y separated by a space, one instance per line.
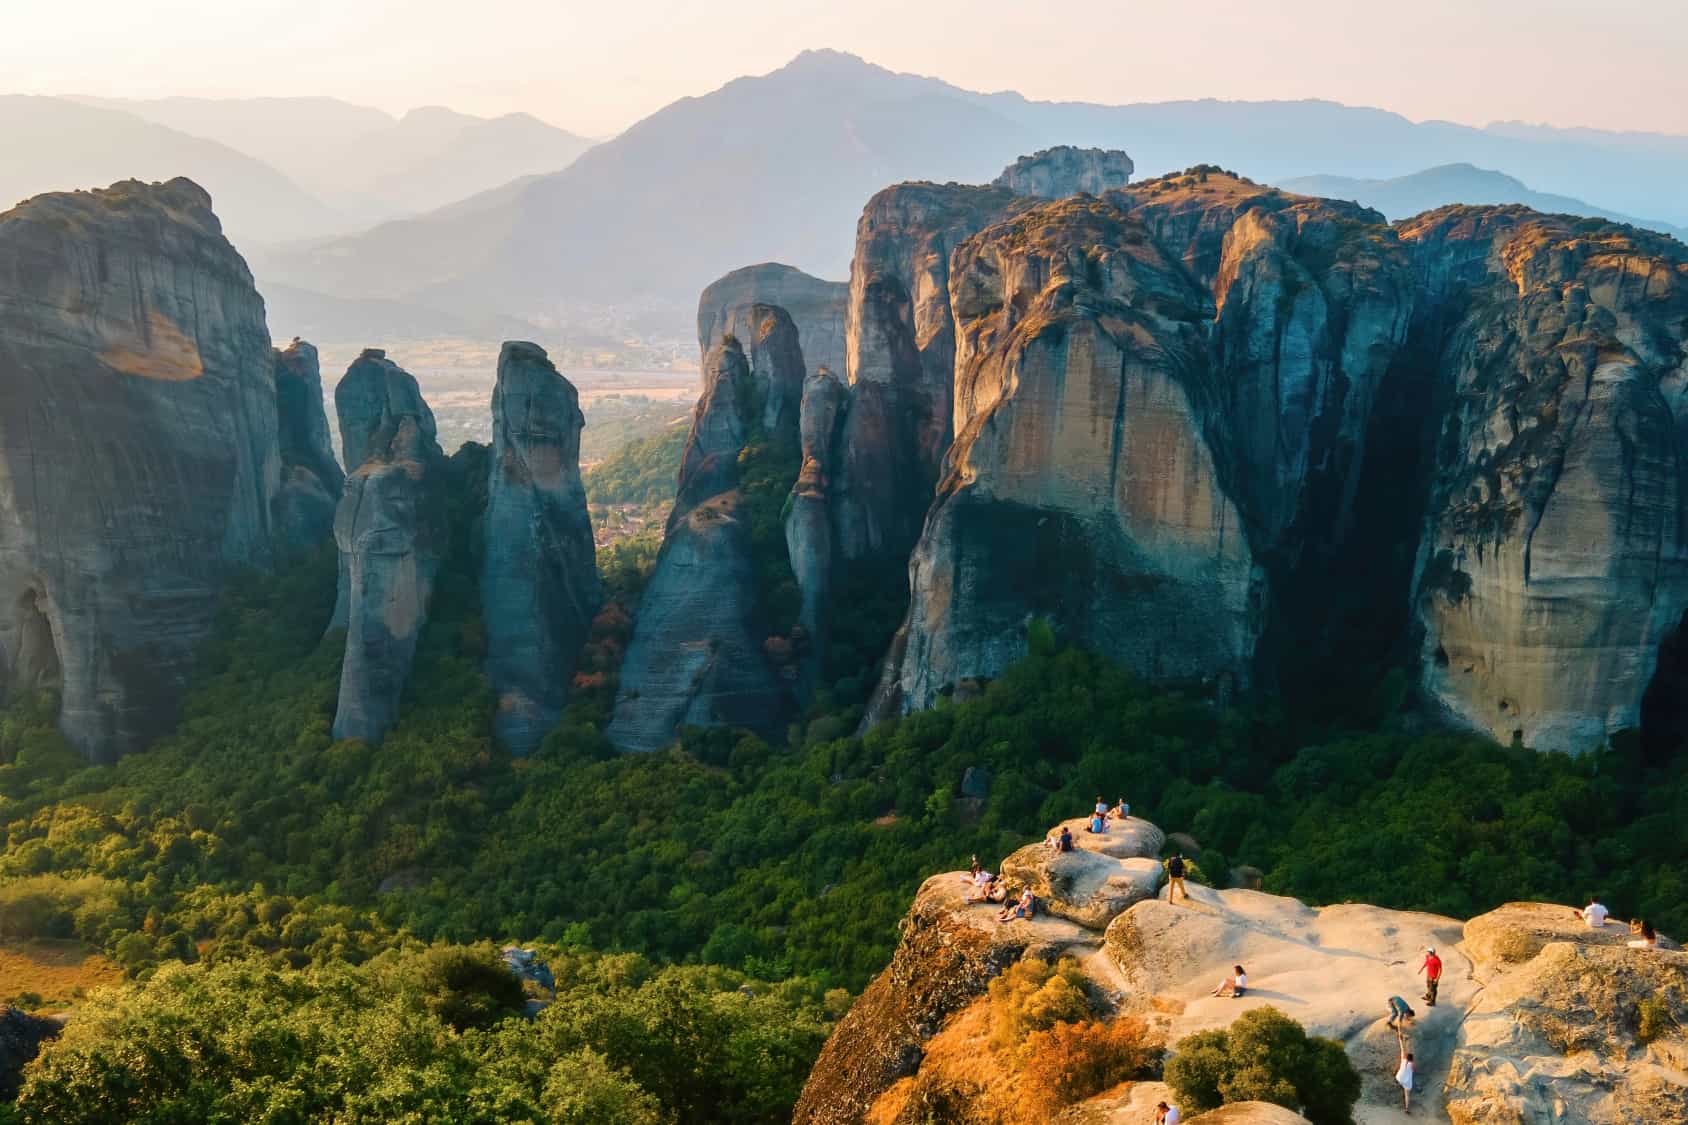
pixel 1399 1012
pixel 1432 970
pixel 1175 877
pixel 1404 1078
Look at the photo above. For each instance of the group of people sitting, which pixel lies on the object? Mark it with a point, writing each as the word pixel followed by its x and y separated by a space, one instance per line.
pixel 1104 812
pixel 986 887
pixel 1642 935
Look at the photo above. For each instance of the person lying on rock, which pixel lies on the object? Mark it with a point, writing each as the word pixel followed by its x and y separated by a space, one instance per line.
pixel 1594 914
pixel 1234 985
pixel 1400 1013
pixel 1025 908
pixel 1648 937
pixel 1175 878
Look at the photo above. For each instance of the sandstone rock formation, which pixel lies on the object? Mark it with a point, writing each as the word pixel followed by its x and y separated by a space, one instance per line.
pixel 1538 1019
pixel 311 479
pixel 1554 559
pixel 696 656
pixel 816 307
pixel 1084 486
pixel 809 539
pixel 539 573
pixel 138 449
pixel 900 358
pixel 1055 173
pixel 390 530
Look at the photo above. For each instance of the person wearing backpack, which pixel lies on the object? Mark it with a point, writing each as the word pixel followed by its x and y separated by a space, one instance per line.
pixel 1175 877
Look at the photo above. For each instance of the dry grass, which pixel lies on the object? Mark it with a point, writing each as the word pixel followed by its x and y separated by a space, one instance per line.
pixel 59 972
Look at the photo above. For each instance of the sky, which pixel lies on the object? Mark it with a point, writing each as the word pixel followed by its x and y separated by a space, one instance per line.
pixel 596 67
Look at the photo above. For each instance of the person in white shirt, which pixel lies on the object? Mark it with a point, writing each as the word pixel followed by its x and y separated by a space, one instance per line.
pixel 1167 1114
pixel 1234 985
pixel 1404 1077
pixel 1594 915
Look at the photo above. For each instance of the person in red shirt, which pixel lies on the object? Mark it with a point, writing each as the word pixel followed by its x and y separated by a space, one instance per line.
pixel 1432 970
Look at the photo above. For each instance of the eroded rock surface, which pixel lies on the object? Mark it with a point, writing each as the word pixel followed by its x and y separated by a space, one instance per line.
pixel 696 656
pixel 1055 173
pixel 138 449
pixel 311 478
pixel 1554 560
pixel 816 307
pixel 390 531
pixel 539 573
pixel 809 538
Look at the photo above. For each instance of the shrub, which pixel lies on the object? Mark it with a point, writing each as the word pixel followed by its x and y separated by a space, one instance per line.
pixel 1034 995
pixel 1071 1061
pixel 469 987
pixel 1266 1056
pixel 1653 1019
pixel 582 1088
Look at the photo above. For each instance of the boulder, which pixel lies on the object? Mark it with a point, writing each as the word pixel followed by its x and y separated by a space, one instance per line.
pixel 311 478
pixel 1055 173
pixel 390 530
pixel 138 449
pixel 1554 555
pixel 1087 887
pixel 539 571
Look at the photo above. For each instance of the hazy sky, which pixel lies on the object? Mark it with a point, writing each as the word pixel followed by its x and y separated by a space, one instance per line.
pixel 597 66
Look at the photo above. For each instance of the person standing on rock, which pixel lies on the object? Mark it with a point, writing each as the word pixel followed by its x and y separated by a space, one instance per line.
pixel 1175 878
pixel 1432 970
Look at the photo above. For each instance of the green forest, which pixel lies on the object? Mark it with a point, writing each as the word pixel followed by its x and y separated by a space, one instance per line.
pixel 309 926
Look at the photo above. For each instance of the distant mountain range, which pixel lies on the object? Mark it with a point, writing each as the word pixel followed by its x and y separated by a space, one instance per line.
pixel 777 167
pixel 279 169
pixel 1404 196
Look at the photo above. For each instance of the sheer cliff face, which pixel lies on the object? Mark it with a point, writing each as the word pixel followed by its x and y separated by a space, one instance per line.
pixel 696 656
pixel 1554 559
pixel 1083 486
pixel 138 452
pixel 311 479
pixel 390 530
pixel 539 576
pixel 900 354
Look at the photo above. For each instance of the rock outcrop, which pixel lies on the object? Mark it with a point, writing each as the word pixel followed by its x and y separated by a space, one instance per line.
pixel 1554 560
pixel 539 573
pixel 21 1038
pixel 1538 1018
pixel 1055 173
pixel 138 449
pixel 696 656
pixel 816 307
pixel 311 479
pixel 390 530
pixel 809 538
pixel 900 359
pixel 1086 484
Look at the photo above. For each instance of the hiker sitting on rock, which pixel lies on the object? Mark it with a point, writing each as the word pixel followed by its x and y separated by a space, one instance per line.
pixel 1062 841
pixel 1648 939
pixel 1234 985
pixel 1098 821
pixel 1120 811
pixel 1594 914
pixel 1025 908
pixel 983 883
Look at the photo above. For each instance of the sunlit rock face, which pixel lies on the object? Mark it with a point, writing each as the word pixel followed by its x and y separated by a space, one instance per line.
pixel 539 574
pixel 1055 173
pixel 1554 559
pixel 390 530
pixel 138 449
